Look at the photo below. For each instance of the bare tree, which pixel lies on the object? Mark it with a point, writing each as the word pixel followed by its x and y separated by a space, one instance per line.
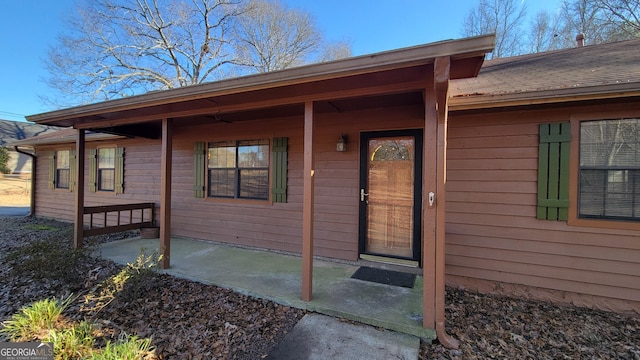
pixel 545 32
pixel 504 18
pixel 124 47
pixel 623 16
pixel 583 17
pixel 335 51
pixel 271 36
pixel 118 48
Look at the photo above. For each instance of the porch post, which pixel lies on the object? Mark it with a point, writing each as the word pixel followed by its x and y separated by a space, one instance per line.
pixel 165 193
pixel 307 205
pixel 78 226
pixel 429 210
pixel 442 75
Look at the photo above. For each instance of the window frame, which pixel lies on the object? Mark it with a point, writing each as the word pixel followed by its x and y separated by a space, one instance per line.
pixel 237 169
pixel 57 169
pixel 574 174
pixel 113 169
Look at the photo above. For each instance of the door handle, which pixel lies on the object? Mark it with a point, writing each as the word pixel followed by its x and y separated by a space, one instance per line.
pixel 362 194
pixel 432 198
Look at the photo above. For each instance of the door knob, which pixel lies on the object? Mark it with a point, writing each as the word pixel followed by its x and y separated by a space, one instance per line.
pixel 362 194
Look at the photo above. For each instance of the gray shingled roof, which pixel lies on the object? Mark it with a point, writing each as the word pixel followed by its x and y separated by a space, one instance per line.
pixel 11 131
pixel 581 67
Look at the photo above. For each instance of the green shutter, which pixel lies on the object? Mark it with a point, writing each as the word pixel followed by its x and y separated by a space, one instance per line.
pixel 72 170
pixel 279 179
pixel 93 169
pixel 553 171
pixel 119 171
pixel 199 164
pixel 52 170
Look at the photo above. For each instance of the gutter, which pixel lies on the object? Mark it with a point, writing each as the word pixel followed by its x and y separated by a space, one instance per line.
pixel 32 209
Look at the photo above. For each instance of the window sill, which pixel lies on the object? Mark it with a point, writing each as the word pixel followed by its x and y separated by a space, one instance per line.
pixel 238 201
pixel 605 224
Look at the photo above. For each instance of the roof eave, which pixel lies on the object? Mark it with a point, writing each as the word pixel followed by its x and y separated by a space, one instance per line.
pixel 488 101
pixel 66 139
pixel 417 55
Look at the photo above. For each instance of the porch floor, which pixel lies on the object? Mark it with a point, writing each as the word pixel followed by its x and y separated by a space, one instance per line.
pixel 278 277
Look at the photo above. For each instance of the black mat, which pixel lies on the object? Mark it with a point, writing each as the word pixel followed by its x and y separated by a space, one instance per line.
pixel 387 277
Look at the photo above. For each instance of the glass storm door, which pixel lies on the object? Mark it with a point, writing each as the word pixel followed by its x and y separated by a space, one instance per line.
pixel 391 193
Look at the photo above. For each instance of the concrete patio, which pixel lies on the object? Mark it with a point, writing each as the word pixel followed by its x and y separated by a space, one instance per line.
pixel 277 277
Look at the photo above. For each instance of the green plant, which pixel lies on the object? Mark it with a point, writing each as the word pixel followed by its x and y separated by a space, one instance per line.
pixel 126 284
pixel 35 320
pixel 72 342
pixel 129 347
pixel 4 160
pixel 40 227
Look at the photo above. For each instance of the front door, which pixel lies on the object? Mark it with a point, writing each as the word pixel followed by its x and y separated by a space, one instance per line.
pixel 391 193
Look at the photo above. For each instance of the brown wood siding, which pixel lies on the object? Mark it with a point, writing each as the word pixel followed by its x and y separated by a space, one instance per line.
pixel 279 225
pixel 141 183
pixel 492 230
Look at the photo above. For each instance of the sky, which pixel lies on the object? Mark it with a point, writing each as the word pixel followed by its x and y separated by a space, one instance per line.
pixel 28 28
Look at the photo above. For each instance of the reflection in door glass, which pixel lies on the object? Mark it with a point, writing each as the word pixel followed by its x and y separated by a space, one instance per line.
pixel 390 202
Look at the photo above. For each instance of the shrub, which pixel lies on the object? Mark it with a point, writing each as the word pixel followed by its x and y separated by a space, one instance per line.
pixel 130 347
pixel 35 320
pixel 74 341
pixel 4 160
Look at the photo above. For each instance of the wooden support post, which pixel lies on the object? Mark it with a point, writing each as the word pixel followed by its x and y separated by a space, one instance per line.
pixel 78 228
pixel 165 193
pixel 429 211
pixel 442 75
pixel 307 205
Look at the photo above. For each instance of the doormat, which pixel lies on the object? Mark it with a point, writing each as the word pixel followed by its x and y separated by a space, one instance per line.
pixel 387 277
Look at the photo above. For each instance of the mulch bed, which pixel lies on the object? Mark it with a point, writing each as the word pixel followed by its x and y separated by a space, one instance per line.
pixel 191 320
pixel 184 319
pixel 499 327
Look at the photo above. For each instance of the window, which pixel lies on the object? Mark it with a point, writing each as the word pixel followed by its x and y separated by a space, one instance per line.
pixel 62 172
pixel 239 169
pixel 106 169
pixel 609 170
pixel 62 169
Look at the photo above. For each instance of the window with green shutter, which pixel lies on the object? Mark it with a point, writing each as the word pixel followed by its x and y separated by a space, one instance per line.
pixel 553 171
pixel 62 169
pixel 106 169
pixel 279 179
pixel 240 169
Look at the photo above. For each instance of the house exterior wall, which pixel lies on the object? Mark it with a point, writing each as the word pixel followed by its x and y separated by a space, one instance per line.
pixel 279 225
pixel 142 179
pixel 495 242
pixel 255 223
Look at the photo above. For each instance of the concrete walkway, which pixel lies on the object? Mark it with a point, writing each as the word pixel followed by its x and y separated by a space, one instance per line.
pixel 14 210
pixel 277 277
pixel 320 337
